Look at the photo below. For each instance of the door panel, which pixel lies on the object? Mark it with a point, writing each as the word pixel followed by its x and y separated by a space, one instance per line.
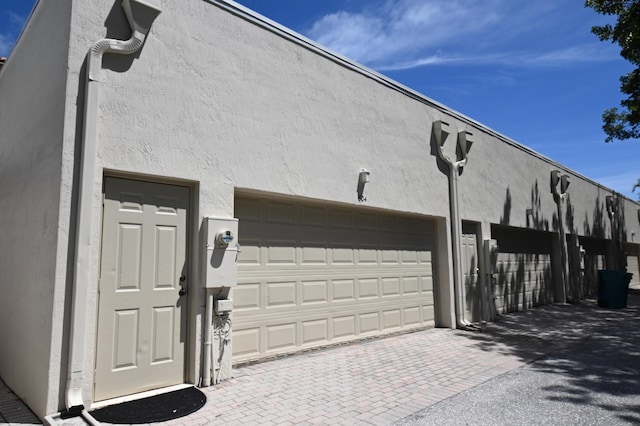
pixel 141 316
pixel 311 275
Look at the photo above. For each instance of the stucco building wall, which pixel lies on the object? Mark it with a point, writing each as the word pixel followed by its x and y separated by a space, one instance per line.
pixel 221 104
pixel 32 84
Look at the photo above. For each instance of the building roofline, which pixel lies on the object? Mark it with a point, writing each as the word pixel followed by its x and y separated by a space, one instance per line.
pixel 291 35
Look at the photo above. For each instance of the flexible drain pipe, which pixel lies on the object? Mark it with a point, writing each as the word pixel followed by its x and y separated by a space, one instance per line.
pixel 140 16
pixel 440 133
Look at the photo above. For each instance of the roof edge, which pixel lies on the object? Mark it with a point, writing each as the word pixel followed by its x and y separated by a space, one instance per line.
pixel 295 37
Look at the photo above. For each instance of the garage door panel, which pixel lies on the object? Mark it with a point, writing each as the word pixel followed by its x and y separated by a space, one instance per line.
pixel 369 322
pixel 391 286
pixel 280 254
pixel 321 275
pixel 365 221
pixel 391 319
pixel 247 296
pixel 281 294
pixel 368 288
pixel 342 255
pixel 427 283
pixel 316 331
pixel 314 292
pixel 313 216
pixel 344 326
pixel 281 337
pixel 428 314
pixel 278 212
pixel 410 285
pixel 313 255
pixel 344 290
pixel 368 255
pixel 250 253
pixel 411 316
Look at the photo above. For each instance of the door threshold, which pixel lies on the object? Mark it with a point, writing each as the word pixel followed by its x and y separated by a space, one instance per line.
pixel 135 396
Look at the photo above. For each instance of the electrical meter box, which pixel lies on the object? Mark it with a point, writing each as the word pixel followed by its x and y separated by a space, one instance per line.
pixel 222 252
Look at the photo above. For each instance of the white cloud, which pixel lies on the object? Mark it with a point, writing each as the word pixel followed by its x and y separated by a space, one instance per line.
pixel 6 43
pixel 14 24
pixel 621 182
pixel 400 28
pixel 403 34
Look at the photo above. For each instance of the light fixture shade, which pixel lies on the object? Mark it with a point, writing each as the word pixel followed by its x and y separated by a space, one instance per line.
pixel 465 142
pixel 555 178
pixel 364 176
pixel 564 183
pixel 440 131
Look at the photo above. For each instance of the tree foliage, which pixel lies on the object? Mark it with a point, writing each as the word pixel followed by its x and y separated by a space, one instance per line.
pixel 622 123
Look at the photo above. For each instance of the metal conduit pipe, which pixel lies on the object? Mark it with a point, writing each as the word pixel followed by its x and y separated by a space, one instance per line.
pixel 140 16
pixel 208 321
pixel 440 132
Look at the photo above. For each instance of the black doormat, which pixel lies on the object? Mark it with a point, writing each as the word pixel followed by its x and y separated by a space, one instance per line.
pixel 158 408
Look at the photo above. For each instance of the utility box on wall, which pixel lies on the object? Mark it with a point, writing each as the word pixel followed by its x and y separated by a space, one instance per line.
pixel 222 252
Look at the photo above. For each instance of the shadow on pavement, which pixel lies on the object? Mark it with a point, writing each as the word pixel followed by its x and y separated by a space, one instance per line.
pixel 596 350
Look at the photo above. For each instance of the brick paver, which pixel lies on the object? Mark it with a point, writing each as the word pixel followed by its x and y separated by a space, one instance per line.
pixel 380 381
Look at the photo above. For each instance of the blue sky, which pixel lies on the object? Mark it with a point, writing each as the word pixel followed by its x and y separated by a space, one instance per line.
pixel 530 70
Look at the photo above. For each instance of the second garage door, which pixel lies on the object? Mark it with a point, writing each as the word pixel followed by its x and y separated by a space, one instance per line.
pixel 310 275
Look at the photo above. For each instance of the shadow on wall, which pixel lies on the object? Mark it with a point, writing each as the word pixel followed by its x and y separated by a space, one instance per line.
pixel 597 229
pixel 524 277
pixel 473 298
pixel 536 219
pixel 506 209
pixel 524 281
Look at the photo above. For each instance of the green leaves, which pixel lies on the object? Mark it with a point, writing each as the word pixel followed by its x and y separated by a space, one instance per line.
pixel 622 124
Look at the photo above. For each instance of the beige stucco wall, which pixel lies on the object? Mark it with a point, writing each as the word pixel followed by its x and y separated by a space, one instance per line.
pixel 217 100
pixel 221 103
pixel 32 243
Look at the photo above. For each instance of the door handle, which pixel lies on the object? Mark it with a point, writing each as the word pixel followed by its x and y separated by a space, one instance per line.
pixel 182 291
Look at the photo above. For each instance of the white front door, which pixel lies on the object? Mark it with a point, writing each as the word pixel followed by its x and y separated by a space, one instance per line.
pixel 142 303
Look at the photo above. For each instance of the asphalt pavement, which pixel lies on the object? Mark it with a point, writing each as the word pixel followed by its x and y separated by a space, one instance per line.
pixel 594 381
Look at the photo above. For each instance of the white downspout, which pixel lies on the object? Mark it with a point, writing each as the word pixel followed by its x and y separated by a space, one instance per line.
pixel 456 223
pixel 206 374
pixel 81 274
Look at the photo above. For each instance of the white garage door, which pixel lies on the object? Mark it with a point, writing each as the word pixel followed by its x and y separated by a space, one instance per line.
pixel 310 275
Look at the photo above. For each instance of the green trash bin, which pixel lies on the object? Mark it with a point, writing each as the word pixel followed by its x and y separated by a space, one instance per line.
pixel 613 287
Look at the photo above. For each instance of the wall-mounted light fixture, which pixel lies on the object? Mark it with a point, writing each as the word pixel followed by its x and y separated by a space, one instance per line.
pixel 440 132
pixel 564 182
pixel 612 205
pixel 529 212
pixel 464 143
pixel 364 176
